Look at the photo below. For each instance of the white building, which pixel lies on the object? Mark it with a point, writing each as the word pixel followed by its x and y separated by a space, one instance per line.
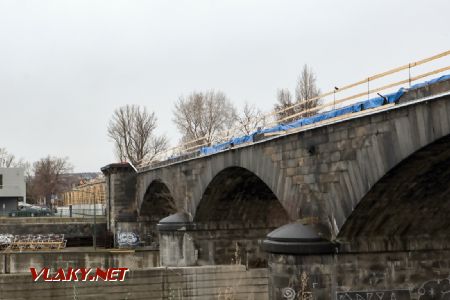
pixel 12 188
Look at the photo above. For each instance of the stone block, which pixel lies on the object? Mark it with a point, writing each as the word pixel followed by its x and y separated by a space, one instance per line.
pixel 323 168
pixel 298 179
pixel 269 150
pixel 330 177
pixel 300 153
pixel 338 166
pixel 335 156
pixel 291 171
pixel 309 178
pixel 291 163
pixel 276 156
pixel 348 154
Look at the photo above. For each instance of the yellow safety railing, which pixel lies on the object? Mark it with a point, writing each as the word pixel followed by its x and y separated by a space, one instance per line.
pixel 197 143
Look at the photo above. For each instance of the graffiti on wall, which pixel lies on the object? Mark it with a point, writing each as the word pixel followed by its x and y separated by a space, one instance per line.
pixel 438 289
pixel 6 240
pixel 300 291
pixel 127 239
pixel 374 295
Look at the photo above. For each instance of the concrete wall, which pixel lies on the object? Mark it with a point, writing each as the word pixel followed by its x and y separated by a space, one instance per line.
pixel 20 262
pixel 195 283
pixel 360 276
pixel 72 228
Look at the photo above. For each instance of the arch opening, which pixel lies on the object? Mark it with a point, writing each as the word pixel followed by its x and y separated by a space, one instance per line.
pixel 158 202
pixel 409 206
pixel 237 210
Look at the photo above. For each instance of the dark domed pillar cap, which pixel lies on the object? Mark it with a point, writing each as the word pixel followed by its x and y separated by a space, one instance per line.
pixel 177 221
pixel 296 238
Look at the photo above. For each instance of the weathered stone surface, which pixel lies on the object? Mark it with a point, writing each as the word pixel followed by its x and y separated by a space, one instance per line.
pixel 20 262
pixel 356 276
pixel 195 283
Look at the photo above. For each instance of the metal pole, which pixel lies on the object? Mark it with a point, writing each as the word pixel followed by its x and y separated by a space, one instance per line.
pixel 409 74
pixel 334 99
pixel 94 239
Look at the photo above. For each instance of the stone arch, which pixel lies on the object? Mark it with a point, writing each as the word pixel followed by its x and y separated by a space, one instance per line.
pixel 255 160
pixel 375 146
pixel 407 206
pixel 236 211
pixel 157 202
pixel 237 195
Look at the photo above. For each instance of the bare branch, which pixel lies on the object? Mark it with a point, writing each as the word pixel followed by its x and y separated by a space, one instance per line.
pixel 250 119
pixel 8 160
pixel 203 114
pixel 47 179
pixel 305 89
pixel 132 130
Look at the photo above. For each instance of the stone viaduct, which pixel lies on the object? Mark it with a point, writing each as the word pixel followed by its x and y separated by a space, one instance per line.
pixel 378 180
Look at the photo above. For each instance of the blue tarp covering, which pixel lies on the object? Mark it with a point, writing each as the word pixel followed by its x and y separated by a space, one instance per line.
pixel 367 104
pixel 242 139
pixel 435 80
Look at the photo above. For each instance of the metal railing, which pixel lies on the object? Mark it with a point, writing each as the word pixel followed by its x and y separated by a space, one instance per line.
pixel 58 213
pixel 189 148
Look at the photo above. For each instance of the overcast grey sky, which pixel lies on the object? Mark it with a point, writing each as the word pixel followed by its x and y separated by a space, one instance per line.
pixel 66 65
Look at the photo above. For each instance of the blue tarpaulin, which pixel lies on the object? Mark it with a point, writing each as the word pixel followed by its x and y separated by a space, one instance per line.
pixel 435 80
pixel 367 104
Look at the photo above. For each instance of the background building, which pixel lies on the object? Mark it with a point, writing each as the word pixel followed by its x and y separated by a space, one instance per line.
pixel 88 192
pixel 12 188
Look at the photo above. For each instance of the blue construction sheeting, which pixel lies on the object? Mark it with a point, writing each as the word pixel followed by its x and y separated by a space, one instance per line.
pixel 435 80
pixel 215 148
pixel 367 104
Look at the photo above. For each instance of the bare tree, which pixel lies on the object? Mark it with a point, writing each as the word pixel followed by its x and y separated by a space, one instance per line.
pixel 132 130
pixel 284 103
pixel 250 119
pixel 306 89
pixel 203 115
pixel 8 160
pixel 47 179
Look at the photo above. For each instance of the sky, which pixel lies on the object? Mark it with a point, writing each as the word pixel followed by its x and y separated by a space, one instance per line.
pixel 66 65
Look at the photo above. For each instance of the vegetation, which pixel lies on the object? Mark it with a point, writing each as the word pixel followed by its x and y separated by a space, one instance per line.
pixel 132 128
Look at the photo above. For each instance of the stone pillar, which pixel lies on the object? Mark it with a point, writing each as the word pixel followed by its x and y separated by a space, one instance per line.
pixel 176 244
pixel 120 197
pixel 300 263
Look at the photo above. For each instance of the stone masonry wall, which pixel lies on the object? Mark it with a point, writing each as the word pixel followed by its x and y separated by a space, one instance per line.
pixel 20 262
pixel 194 283
pixel 413 275
pixel 319 173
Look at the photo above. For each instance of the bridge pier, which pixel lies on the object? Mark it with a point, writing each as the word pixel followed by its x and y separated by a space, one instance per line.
pixel 302 265
pixel 121 213
pixel 176 244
